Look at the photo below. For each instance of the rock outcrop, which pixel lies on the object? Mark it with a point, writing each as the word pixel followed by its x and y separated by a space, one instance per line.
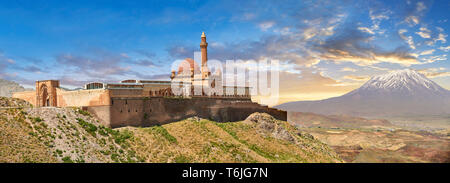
pixel 267 124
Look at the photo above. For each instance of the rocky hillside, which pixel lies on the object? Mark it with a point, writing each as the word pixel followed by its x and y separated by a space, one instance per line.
pixel 6 102
pixel 72 135
pixel 7 88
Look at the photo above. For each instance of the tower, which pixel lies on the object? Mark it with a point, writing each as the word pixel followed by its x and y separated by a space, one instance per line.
pixel 203 49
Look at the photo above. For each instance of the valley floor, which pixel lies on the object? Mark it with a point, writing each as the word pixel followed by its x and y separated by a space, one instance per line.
pixel 379 141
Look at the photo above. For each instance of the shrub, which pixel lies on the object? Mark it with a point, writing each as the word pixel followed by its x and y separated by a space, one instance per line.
pixel 83 112
pixel 115 157
pixel 121 137
pixel 32 134
pixel 102 131
pixel 90 128
pixel 59 152
pixel 37 119
pixel 161 130
pixel 67 159
pixel 181 159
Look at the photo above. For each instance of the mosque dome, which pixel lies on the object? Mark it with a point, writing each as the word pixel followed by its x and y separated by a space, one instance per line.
pixel 188 63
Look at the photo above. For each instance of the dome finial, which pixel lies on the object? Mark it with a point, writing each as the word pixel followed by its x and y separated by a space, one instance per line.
pixel 203 34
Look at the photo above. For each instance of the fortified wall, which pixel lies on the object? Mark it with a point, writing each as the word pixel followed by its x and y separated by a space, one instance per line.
pixel 129 107
pixel 162 110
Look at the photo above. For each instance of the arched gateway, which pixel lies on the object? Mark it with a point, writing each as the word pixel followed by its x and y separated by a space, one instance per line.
pixel 46 93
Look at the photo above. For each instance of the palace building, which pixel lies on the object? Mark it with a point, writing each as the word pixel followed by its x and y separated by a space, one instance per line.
pixel 149 102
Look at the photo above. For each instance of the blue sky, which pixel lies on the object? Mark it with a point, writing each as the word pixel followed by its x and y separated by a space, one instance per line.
pixel 329 47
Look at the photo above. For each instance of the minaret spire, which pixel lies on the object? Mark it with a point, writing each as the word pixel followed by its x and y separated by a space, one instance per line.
pixel 203 48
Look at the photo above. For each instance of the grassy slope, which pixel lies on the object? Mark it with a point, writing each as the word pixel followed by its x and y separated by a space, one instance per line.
pixel 17 144
pixel 206 141
pixel 59 135
pixel 71 135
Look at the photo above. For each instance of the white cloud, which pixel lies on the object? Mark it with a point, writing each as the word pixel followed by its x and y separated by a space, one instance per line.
pixel 380 16
pixel 124 55
pixel 284 31
pixel 441 37
pixel 348 69
pixel 248 16
pixel 365 29
pixel 408 39
pixel 434 73
pixel 424 33
pixel 11 61
pixel 264 26
pixel 427 52
pixel 309 33
pixel 357 78
pixel 413 20
pixel 432 59
pixel 216 45
pixel 420 6
pixel 376 21
pixel 446 48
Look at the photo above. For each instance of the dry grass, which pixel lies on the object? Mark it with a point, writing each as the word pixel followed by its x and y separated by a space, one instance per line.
pixel 18 142
pixel 207 141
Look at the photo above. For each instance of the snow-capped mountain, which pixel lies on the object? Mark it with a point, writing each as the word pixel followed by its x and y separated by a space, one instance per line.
pixel 407 82
pixel 399 93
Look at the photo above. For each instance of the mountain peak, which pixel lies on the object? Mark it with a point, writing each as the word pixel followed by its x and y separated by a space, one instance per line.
pixel 398 93
pixel 406 80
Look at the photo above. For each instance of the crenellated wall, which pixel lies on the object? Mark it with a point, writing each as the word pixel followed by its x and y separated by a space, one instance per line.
pixel 160 110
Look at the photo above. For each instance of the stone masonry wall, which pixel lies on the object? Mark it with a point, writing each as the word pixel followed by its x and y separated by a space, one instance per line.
pixel 29 96
pixel 78 98
pixel 159 110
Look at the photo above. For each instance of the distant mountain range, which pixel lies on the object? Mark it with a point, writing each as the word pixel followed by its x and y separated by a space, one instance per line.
pixel 396 94
pixel 7 88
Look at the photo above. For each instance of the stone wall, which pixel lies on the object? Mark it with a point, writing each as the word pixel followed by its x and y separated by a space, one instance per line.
pixel 102 113
pixel 29 96
pixel 124 92
pixel 78 98
pixel 159 110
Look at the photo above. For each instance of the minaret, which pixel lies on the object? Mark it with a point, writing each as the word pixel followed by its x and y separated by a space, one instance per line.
pixel 203 49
